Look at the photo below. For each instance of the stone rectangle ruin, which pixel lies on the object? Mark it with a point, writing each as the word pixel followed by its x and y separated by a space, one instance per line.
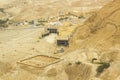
pixel 39 61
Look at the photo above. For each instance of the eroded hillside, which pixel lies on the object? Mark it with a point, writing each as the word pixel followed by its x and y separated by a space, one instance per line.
pixel 34 9
pixel 101 28
pixel 101 35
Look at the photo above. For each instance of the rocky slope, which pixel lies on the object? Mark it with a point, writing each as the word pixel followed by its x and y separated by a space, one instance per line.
pixel 101 29
pixel 34 9
pixel 101 35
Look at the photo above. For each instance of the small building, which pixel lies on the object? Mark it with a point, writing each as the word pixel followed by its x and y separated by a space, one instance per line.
pixel 65 34
pixel 62 41
pixel 52 30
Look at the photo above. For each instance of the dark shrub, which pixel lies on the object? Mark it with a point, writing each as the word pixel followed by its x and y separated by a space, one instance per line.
pixel 78 62
pixel 103 66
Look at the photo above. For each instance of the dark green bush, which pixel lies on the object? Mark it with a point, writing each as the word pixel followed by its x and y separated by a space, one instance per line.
pixel 79 17
pixel 3 23
pixel 31 22
pixel 78 62
pixel 1 9
pixel 69 63
pixel 103 66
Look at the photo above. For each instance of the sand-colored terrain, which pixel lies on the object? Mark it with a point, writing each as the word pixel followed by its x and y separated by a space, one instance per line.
pixel 100 34
pixel 34 9
pixel 98 38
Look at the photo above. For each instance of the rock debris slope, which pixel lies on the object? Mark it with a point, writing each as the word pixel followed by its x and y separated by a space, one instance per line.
pixel 101 34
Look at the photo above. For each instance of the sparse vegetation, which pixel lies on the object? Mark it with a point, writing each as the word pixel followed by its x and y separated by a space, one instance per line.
pixel 40 37
pixel 78 62
pixel 103 66
pixel 37 41
pixel 2 10
pixel 61 19
pixel 3 23
pixel 69 63
pixel 40 24
pixel 31 22
pixel 80 17
pixel 42 21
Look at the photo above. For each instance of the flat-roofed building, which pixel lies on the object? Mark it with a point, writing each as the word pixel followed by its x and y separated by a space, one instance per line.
pixel 62 41
pixel 65 34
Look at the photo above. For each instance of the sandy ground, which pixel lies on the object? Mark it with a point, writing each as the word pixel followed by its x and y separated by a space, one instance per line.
pixel 18 42
pixel 51 38
pixel 16 45
pixel 96 39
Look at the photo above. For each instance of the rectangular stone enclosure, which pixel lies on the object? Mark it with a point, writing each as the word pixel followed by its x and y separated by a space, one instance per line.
pixel 39 61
